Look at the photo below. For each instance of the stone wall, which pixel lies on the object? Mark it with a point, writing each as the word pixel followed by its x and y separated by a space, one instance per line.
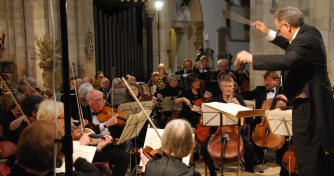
pixel 317 13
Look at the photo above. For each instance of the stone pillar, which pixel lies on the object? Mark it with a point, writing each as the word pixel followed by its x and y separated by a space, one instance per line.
pixel 223 36
pixel 149 18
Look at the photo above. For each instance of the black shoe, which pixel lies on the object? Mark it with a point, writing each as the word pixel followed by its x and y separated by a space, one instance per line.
pixel 259 161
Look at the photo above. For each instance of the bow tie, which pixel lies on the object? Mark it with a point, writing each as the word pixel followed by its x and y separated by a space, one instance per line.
pixel 272 90
pixel 94 113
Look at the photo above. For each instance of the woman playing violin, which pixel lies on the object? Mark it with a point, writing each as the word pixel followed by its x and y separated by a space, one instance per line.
pixel 138 91
pixel 226 85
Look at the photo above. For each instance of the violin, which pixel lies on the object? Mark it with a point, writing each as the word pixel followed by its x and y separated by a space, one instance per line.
pixel 201 132
pixel 158 153
pixel 77 134
pixel 108 112
pixel 230 135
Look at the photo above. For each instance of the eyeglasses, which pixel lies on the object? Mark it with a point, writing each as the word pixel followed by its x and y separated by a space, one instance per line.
pixel 279 30
pixel 196 81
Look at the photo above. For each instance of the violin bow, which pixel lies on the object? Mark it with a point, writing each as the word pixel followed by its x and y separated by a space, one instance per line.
pixel 141 107
pixel 13 96
pixel 111 87
pixel 32 88
pixel 78 102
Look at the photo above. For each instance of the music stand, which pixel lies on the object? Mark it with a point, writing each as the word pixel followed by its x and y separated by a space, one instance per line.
pixel 168 104
pixel 133 107
pixel 119 95
pixel 280 123
pixel 6 67
pixel 227 114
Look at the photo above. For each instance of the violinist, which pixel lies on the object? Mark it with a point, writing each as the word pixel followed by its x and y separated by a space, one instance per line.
pixel 24 88
pixel 260 94
pixel 87 79
pixel 114 154
pixel 203 70
pixel 172 89
pixel 117 83
pixel 176 142
pixel 136 90
pixel 13 112
pixel 82 94
pixel 226 85
pixel 239 75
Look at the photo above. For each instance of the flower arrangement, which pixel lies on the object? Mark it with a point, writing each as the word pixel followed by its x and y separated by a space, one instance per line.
pixel 45 51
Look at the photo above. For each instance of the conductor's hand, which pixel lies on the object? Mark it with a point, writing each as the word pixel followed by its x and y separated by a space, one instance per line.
pixel 159 96
pixel 282 97
pixel 259 25
pixel 112 121
pixel 244 56
pixel 104 141
pixel 145 158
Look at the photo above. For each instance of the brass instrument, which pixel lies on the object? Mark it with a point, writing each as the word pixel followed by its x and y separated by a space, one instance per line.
pixel 160 81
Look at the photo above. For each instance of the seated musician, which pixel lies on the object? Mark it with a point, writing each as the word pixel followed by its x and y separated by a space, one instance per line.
pixel 162 76
pixel 171 89
pixel 215 90
pixel 226 85
pixel 82 94
pixel 222 68
pixel 13 112
pixel 29 106
pixel 23 88
pixel 114 154
pixel 87 79
pixel 117 83
pixel 105 87
pixel 130 78
pixel 138 91
pixel 176 142
pixel 260 94
pixel 187 65
pixel 203 70
pixel 35 153
pixel 99 75
pixel 236 75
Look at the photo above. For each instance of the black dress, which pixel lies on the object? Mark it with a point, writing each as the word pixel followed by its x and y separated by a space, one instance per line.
pixel 187 113
pixel 6 119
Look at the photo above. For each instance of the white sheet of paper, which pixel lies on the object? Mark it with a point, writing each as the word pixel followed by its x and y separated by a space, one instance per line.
pixel 211 117
pixel 82 151
pixel 153 140
pixel 229 108
pixel 275 120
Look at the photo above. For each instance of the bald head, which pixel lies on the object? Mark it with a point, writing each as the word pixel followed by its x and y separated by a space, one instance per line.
pixel 87 79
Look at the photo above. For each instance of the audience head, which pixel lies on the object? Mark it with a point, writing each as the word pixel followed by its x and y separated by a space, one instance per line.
pixel 99 75
pixel 187 65
pixel 193 81
pixel 105 83
pixel 46 111
pixel 30 105
pixel 270 79
pixel 83 91
pixel 87 79
pixel 177 139
pixel 95 100
pixel 36 146
pixel 172 80
pixel 222 65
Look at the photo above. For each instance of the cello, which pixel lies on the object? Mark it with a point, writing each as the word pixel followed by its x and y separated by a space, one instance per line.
pixel 262 135
pixel 289 161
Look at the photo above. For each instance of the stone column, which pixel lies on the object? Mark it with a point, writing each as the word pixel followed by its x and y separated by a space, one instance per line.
pixel 149 18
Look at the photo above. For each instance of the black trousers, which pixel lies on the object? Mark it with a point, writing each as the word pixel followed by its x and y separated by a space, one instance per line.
pixel 249 155
pixel 309 154
pixel 115 155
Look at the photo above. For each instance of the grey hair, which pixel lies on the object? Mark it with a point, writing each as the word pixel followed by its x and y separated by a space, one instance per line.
pixel 221 60
pixel 291 15
pixel 177 139
pixel 83 91
pixel 116 82
pixel 91 92
pixel 21 85
pixel 226 78
pixel 170 77
pixel 79 81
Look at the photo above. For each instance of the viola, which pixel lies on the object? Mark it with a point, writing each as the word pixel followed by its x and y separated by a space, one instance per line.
pixel 158 153
pixel 290 165
pixel 108 112
pixel 230 134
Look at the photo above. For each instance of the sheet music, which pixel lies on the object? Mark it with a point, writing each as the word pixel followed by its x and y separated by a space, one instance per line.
pixel 152 140
pixel 229 108
pixel 211 117
pixel 133 107
pixel 277 124
pixel 82 151
pixel 119 95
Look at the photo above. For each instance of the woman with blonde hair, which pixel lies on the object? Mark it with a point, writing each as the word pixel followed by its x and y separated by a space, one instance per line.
pixel 177 142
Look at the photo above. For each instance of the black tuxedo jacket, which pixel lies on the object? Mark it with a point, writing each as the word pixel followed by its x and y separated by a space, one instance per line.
pixel 306 60
pixel 259 94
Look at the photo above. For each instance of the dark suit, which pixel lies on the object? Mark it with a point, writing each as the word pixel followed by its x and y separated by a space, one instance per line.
pixel 205 75
pixel 313 119
pixel 114 154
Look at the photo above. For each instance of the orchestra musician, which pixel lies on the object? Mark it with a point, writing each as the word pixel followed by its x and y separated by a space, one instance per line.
pixel 130 78
pixel 187 65
pixel 117 83
pixel 162 76
pixel 176 142
pixel 87 79
pixel 99 75
pixel 222 68
pixel 24 88
pixel 171 89
pixel 35 153
pixel 114 154
pixel 203 70
pixel 105 87
pixel 307 86
pixel 239 75
pixel 82 95
pixel 215 90
pixel 260 94
pixel 13 112
pixel 226 84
